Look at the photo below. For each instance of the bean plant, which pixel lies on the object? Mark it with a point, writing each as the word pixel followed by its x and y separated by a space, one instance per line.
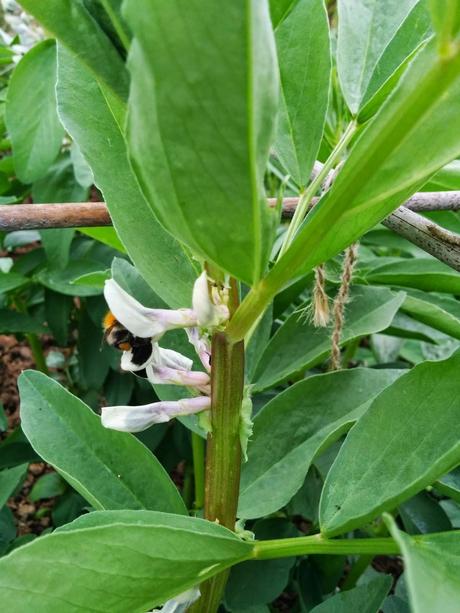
pixel 307 370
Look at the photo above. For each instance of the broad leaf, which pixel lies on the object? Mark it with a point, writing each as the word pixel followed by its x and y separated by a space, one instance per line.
pixel 304 58
pixel 33 125
pixel 388 163
pixel 297 425
pixel 10 479
pixel 95 130
pixel 415 28
pixel 366 27
pixel 406 440
pixel 420 273
pixel 117 561
pixel 440 312
pixel 432 567
pixel 298 345
pixel 110 469
pixel 12 322
pixel 77 30
pixel 366 598
pixel 221 92
pixel 423 514
pixel 10 281
pixel 450 484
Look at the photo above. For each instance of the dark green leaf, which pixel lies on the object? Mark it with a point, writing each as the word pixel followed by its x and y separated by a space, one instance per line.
pixel 10 479
pixel 386 458
pixel 298 345
pixel 47 486
pixel 420 273
pixel 84 567
pixel 115 466
pixel 297 425
pixel 366 598
pixel 95 129
pixel 12 322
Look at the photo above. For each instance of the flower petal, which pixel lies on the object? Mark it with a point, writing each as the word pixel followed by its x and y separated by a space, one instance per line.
pixel 136 419
pixel 202 346
pixel 173 359
pixel 170 376
pixel 140 320
pixel 207 313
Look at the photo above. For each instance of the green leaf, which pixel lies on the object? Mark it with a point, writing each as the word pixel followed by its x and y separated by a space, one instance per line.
pixel 366 598
pixel 58 185
pixel 297 425
pixel 423 514
pixel 47 486
pixel 440 312
pixel 420 273
pixel 388 163
pixel 446 21
pixel 221 92
pixel 298 345
pixel 10 281
pixel 75 28
pixel 105 235
pixel 110 469
pixel 432 567
pixel 57 312
pixel 304 58
pixel 33 125
pixel 117 561
pixel 10 480
pixel 97 279
pixel 12 322
pixel 365 30
pixel 62 281
pixel 279 10
pixel 94 128
pixel 406 440
pixel 395 59
pixel 449 485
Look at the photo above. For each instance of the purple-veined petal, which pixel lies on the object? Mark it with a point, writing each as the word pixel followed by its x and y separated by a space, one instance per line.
pixel 141 321
pixel 138 418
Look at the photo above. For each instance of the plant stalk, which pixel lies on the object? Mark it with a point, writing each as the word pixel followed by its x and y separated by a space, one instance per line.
pixel 317 544
pixel 198 451
pixel 223 457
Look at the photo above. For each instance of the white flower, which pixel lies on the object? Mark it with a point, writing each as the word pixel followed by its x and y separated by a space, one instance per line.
pixel 142 321
pixel 170 376
pixel 138 418
pixel 180 603
pixel 202 346
pixel 208 313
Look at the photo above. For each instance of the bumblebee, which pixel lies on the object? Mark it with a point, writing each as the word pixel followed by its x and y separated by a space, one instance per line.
pixel 116 335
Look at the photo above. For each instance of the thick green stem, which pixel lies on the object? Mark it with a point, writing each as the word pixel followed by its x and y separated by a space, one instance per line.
pixel 198 446
pixel 223 458
pixel 317 544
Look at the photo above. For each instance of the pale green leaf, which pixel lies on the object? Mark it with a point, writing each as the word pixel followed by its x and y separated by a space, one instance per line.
pixel 366 27
pixel 10 479
pixel 304 59
pixel 200 124
pixel 33 125
pixel 420 273
pixel 432 568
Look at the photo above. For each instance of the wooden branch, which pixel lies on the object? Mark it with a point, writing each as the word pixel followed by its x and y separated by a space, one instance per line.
pixel 432 238
pixel 91 214
pixel 65 215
